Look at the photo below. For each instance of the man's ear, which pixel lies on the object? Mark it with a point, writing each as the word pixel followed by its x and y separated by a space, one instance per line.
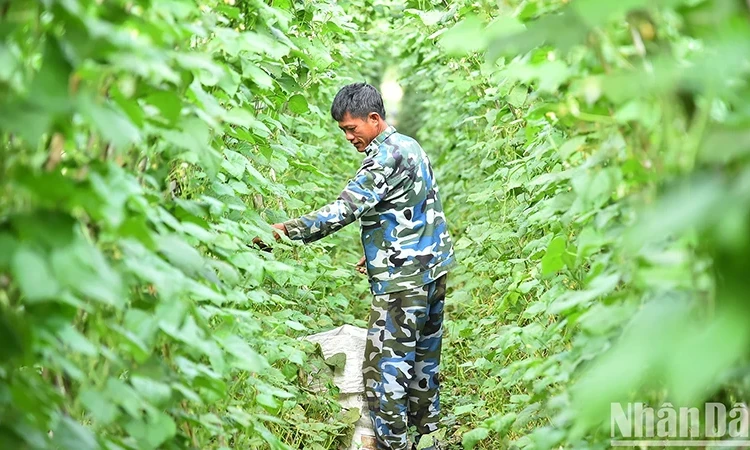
pixel 374 117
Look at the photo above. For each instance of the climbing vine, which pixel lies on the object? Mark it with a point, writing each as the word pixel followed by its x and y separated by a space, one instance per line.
pixel 593 157
pixel 144 145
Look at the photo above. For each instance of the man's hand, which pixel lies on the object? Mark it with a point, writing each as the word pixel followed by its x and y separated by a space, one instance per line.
pixel 279 229
pixel 361 266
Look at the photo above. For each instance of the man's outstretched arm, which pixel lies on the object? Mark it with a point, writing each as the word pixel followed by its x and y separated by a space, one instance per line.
pixel 361 194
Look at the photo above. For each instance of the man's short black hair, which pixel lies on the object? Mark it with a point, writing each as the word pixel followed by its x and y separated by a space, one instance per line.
pixel 359 100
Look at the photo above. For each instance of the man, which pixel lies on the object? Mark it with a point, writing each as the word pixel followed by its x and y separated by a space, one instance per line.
pixel 408 253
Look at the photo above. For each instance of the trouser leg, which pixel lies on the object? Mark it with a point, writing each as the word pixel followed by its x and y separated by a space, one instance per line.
pixel 389 363
pixel 424 388
pixel 402 326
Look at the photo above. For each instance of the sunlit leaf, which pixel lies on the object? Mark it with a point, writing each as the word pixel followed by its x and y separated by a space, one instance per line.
pixel 70 435
pixel 33 275
pixel 553 259
pixel 245 357
pixel 466 36
pixel 112 123
pixel 298 104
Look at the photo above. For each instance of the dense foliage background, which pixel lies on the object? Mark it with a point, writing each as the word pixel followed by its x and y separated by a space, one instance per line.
pixel 592 157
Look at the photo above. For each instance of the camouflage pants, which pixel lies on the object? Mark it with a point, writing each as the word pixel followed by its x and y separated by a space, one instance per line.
pixel 402 358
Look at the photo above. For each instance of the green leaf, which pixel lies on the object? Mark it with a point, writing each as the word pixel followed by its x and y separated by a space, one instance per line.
pixel 129 106
pixel 83 269
pixel 245 357
pixel 7 247
pixel 154 432
pixel 32 273
pixel 100 408
pixel 571 146
pixel 294 325
pixel 601 285
pixel 207 71
pixel 141 323
pixel 47 229
pixel 8 64
pixel 464 409
pixel 473 437
pixel 534 310
pixel 235 163
pixel 168 103
pixel 112 123
pixel 352 416
pixel 50 86
pixel 123 395
pixel 239 187
pixel 504 25
pixel 428 18
pixel 229 11
pixel 517 96
pixel 230 81
pixel 131 344
pixel 70 435
pixel 195 137
pixel 14 334
pixel 245 118
pixel 298 104
pixel 501 424
pixel 181 254
pixel 248 261
pixel 337 361
pixel 258 75
pixel 114 187
pixel 77 342
pixel 464 37
pixel 553 258
pixel 264 44
pixel 137 228
pixel 28 120
pixel 595 189
pixel 156 392
pixel 283 4
pixel 267 400
pixel 239 116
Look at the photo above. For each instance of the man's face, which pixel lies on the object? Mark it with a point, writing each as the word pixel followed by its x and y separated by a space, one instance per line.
pixel 360 132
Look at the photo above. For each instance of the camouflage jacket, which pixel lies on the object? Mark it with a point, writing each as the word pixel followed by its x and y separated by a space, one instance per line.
pixel 395 196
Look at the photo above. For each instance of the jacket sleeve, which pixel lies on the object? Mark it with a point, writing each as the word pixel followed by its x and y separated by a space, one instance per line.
pixel 369 186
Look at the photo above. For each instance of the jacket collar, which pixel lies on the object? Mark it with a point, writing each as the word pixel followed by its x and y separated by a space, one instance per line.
pixel 373 146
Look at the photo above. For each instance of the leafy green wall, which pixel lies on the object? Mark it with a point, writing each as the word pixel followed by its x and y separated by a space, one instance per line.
pixel 144 145
pixel 592 158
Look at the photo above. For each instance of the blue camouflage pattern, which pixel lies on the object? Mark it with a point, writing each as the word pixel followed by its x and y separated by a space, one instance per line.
pixel 401 364
pixel 403 228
